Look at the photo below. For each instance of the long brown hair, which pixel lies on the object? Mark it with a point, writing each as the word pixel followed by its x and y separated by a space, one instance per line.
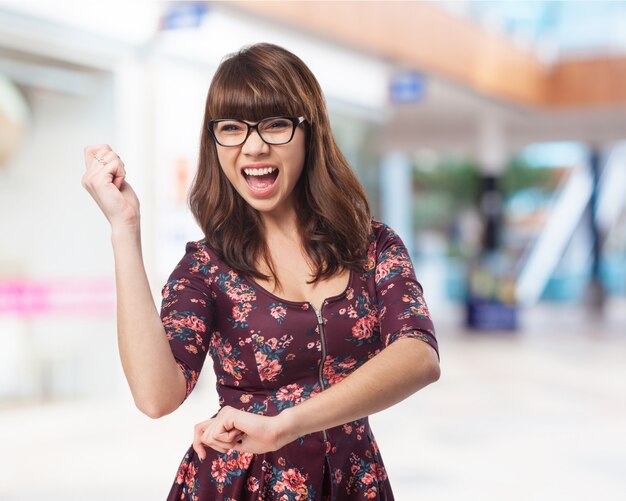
pixel 331 205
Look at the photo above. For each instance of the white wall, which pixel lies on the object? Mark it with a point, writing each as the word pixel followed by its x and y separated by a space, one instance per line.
pixel 52 230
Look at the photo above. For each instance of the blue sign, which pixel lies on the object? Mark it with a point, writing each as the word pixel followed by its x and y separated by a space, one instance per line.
pixel 181 15
pixel 407 87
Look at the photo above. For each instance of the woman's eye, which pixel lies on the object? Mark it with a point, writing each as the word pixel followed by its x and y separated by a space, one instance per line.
pixel 277 124
pixel 230 127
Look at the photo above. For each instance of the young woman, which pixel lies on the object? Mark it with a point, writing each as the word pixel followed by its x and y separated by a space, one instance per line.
pixel 309 309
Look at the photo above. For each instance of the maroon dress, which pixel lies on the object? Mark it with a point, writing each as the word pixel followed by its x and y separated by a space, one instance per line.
pixel 270 354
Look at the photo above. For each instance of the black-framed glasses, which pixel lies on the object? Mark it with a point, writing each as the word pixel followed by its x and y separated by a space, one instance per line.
pixel 272 130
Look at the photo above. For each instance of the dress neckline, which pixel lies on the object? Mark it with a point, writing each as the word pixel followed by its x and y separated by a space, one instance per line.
pixel 300 304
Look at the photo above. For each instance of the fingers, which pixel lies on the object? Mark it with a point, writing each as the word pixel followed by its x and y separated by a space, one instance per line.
pixel 223 441
pixel 102 154
pixel 197 442
pixel 108 158
pixel 217 434
pixel 101 160
pixel 95 151
pixel 219 441
pixel 231 436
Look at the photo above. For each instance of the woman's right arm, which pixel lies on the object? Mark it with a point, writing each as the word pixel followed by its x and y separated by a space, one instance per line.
pixel 156 381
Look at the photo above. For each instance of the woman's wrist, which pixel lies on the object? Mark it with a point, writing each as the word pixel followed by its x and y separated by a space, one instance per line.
pixel 125 231
pixel 290 428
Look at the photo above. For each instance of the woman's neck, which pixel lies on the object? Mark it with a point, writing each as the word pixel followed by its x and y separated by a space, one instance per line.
pixel 283 227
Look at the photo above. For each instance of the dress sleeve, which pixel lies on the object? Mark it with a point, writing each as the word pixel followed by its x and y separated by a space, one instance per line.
pixel 187 311
pixel 402 311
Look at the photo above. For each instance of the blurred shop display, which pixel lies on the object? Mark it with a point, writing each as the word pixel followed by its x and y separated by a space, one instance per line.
pixel 14 117
pixel 490 301
pixel 489 223
pixel 448 201
pixel 536 242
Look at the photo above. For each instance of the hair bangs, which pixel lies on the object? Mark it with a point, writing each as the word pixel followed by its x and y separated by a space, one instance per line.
pixel 244 94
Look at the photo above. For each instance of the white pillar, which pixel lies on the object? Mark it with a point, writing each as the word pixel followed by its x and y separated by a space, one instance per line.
pixel 492 148
pixel 396 196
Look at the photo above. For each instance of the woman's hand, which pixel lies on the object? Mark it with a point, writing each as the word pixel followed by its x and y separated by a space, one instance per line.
pixel 242 431
pixel 104 179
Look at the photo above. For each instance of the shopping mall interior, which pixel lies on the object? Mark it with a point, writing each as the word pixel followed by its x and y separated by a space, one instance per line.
pixel 490 135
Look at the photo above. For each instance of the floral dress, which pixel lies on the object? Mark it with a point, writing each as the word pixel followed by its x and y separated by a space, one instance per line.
pixel 270 354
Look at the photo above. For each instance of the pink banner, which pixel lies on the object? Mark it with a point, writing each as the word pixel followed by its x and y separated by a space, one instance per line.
pixel 70 297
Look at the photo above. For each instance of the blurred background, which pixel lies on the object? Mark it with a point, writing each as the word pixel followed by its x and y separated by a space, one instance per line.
pixel 490 135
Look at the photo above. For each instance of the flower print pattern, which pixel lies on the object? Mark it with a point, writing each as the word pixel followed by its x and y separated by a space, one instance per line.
pixel 186 478
pixel 355 429
pixel 191 377
pixel 370 267
pixel 228 465
pixel 365 476
pixel 252 484
pixel 286 484
pixel 280 398
pixel 393 262
pixel 268 354
pixel 278 311
pixel 186 326
pixel 415 304
pixel 406 331
pixel 364 330
pixel 201 263
pixel 291 394
pixel 337 368
pixel 268 369
pixel 169 290
pixel 172 289
pixel 239 293
pixel 267 357
pixel 228 357
pixel 363 311
pixel 337 476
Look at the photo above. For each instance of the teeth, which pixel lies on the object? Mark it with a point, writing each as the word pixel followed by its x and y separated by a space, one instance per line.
pixel 259 172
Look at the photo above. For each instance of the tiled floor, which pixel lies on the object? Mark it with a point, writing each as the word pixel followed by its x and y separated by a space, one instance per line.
pixel 536 415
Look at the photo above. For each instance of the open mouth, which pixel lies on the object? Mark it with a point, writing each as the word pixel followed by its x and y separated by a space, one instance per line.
pixel 260 179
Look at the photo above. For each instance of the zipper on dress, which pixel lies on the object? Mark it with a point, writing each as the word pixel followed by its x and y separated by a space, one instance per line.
pixel 320 324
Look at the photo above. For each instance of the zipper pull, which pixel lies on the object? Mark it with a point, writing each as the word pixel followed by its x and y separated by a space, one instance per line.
pixel 320 318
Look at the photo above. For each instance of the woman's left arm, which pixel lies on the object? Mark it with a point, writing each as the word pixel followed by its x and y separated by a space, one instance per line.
pixel 398 371
pixel 395 373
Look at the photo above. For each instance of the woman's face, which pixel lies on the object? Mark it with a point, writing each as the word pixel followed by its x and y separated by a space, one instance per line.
pixel 265 175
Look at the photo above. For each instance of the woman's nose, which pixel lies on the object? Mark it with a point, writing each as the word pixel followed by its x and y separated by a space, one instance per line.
pixel 254 145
